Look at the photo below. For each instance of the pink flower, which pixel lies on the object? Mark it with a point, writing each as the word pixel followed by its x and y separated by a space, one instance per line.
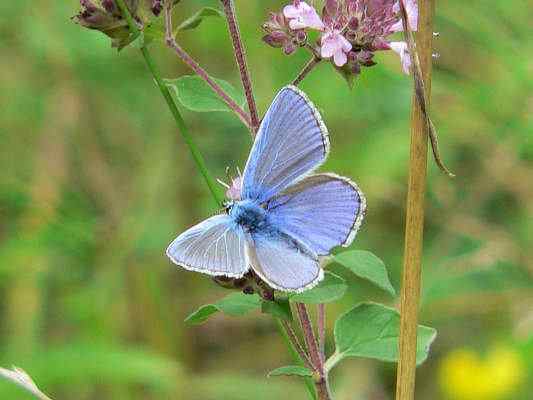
pixel 411 7
pixel 234 191
pixel 335 45
pixel 403 52
pixel 301 15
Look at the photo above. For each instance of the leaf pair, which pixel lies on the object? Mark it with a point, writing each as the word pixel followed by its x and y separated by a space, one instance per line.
pixel 368 330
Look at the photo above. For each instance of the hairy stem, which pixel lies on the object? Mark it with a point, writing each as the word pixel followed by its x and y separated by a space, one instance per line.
pixel 414 224
pixel 295 355
pixel 321 382
pixel 240 56
pixel 309 336
pixel 322 388
pixel 297 346
pixel 202 73
pixel 182 128
pixel 308 67
pixel 321 323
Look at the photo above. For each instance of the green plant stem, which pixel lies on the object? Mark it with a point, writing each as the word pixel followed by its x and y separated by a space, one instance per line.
pixel 202 73
pixel 295 356
pixel 297 346
pixel 195 152
pixel 308 67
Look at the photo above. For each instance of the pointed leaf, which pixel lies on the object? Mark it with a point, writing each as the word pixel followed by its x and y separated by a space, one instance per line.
pixel 196 19
pixel 367 266
pixel 371 330
pixel 330 289
pixel 279 308
pixel 196 95
pixel 235 304
pixel 289 370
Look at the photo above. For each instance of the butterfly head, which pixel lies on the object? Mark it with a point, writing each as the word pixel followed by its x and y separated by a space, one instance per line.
pixel 228 204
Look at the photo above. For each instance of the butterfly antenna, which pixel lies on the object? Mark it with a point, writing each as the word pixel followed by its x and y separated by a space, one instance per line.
pixel 228 174
pixel 223 183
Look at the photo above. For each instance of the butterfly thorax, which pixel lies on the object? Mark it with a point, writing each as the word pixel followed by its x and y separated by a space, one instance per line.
pixel 248 214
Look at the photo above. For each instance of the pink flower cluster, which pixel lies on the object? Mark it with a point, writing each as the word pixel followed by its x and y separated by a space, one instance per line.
pixel 350 30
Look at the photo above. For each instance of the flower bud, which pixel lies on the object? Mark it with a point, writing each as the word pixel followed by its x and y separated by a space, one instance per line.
pixel 275 39
pixel 353 24
pixel 267 294
pixel 380 44
pixel 355 68
pixel 331 7
pixel 365 58
pixel 352 57
pixel 93 17
pixel 111 7
pixel 301 37
pixel 157 7
pixel 289 47
pixel 248 290
pixel 351 36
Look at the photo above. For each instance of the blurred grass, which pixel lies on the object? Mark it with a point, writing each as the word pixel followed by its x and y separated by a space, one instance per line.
pixel 95 181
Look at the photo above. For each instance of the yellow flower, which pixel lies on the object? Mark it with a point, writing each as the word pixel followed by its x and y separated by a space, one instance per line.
pixel 463 375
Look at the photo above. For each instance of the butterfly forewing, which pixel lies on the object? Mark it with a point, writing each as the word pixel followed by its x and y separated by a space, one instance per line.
pixel 292 141
pixel 215 246
pixel 321 211
pixel 286 218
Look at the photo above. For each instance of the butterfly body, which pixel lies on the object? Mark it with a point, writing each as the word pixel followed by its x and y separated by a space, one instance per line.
pixel 285 217
pixel 249 215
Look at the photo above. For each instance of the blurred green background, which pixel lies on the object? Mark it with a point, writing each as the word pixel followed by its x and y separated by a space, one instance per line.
pixel 95 182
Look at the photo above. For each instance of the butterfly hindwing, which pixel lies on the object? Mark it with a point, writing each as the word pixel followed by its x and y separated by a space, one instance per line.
pixel 322 211
pixel 285 219
pixel 215 247
pixel 292 141
pixel 282 263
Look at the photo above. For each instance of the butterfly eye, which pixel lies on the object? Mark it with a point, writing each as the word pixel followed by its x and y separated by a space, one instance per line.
pixel 227 206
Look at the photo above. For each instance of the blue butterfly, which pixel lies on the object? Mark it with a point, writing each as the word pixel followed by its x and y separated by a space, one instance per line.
pixel 286 218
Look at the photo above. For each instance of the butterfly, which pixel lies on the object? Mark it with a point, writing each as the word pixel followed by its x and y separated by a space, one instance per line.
pixel 286 218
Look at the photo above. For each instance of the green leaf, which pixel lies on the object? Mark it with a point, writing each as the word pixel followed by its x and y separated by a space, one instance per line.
pixel 331 288
pixel 235 304
pixel 138 41
pixel 371 330
pixel 367 266
pixel 294 370
pixel 196 95
pixel 196 19
pixel 279 308
pixel 155 30
pixel 347 74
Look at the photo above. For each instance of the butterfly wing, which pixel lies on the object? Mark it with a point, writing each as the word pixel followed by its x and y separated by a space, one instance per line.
pixel 282 263
pixel 215 247
pixel 321 211
pixel 291 142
